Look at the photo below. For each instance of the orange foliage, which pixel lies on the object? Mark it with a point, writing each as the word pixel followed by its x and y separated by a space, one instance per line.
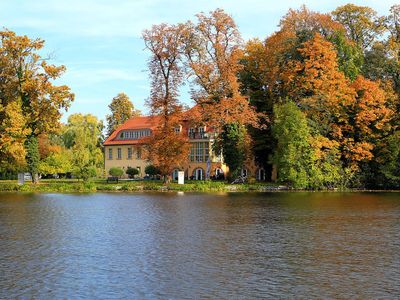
pixel 213 50
pixel 371 111
pixel 46 148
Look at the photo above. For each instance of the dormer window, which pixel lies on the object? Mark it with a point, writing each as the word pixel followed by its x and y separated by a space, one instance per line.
pixel 134 134
pixel 178 129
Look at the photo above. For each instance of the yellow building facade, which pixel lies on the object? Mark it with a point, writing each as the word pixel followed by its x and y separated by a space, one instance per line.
pixel 124 148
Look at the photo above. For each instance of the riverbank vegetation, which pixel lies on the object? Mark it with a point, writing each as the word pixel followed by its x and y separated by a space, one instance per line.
pixel 319 98
pixel 101 185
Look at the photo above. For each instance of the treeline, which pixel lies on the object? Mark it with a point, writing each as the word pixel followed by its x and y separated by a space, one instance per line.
pixel 319 98
pixel 330 84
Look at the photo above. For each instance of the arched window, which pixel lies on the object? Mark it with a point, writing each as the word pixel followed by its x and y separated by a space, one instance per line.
pixel 198 174
pixel 219 174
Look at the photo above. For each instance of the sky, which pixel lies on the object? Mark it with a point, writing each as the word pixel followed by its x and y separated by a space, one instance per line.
pixel 99 41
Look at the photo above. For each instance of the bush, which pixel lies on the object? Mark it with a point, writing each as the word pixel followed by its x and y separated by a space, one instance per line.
pixel 151 170
pixel 85 173
pixel 116 172
pixel 131 172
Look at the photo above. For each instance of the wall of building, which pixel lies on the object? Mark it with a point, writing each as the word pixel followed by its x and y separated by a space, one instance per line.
pixel 124 162
pixel 140 163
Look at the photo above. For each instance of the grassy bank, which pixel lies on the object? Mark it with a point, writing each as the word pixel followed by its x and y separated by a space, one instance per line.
pixel 68 186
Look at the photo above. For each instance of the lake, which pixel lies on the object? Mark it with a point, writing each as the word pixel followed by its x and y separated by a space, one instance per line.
pixel 191 245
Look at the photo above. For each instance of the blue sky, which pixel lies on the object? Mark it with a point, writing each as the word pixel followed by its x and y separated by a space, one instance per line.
pixel 99 41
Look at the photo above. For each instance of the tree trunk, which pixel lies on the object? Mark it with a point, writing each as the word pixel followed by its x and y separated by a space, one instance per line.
pixel 35 178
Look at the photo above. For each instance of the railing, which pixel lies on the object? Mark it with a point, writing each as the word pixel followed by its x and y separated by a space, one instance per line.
pixel 199 136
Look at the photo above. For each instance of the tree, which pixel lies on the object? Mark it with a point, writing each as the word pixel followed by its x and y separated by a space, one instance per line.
pixel 166 149
pixel 318 86
pixel 121 109
pixel 234 140
pixel 213 52
pixel 13 133
pixel 293 154
pixel 393 26
pixel 82 136
pixel 362 23
pixel 57 163
pixel 253 83
pixel 151 170
pixel 33 157
pixel 27 81
pixel 132 172
pixel 116 172
pixel 389 161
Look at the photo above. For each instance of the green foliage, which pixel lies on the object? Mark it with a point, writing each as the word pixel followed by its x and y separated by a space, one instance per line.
pixel 151 170
pixel 384 173
pixel 232 143
pixel 121 109
pixel 33 156
pixel 116 172
pixel 82 136
pixel 132 172
pixel 294 154
pixel 84 172
pixel 327 171
pixel 56 163
pixel 350 56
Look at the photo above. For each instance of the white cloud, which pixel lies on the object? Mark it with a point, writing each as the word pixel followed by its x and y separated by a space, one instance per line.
pixel 78 77
pixel 127 18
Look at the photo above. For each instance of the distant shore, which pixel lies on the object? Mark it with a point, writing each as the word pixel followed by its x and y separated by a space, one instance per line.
pixel 99 185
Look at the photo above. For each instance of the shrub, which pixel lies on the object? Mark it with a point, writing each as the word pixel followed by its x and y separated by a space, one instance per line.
pixel 116 172
pixel 151 170
pixel 131 172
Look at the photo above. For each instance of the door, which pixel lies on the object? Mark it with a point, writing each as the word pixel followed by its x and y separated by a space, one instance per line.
pixel 199 174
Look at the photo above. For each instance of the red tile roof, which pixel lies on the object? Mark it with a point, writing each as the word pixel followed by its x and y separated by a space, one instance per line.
pixel 151 122
pixel 132 124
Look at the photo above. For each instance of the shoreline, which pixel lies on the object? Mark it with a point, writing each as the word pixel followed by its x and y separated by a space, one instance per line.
pixel 151 186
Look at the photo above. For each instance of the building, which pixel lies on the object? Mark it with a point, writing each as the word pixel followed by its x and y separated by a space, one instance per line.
pixel 124 148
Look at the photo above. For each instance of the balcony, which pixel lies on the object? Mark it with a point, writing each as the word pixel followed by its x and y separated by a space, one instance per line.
pixel 199 136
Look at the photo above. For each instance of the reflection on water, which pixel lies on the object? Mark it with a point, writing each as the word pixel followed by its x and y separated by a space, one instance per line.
pixel 221 246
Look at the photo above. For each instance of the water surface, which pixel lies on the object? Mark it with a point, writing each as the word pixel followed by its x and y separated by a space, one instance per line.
pixel 186 246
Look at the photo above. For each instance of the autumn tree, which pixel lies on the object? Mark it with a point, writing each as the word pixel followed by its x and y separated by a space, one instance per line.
pixel 362 23
pixel 393 26
pixel 166 148
pixel 213 48
pixel 27 81
pixel 13 134
pixel 121 109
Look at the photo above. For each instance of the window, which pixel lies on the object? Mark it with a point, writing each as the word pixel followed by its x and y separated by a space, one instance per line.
pixel 199 152
pixel 177 129
pixel 135 134
pixel 110 154
pixel 191 133
pixel 129 153
pixel 139 153
pixel 119 153
pixel 201 132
